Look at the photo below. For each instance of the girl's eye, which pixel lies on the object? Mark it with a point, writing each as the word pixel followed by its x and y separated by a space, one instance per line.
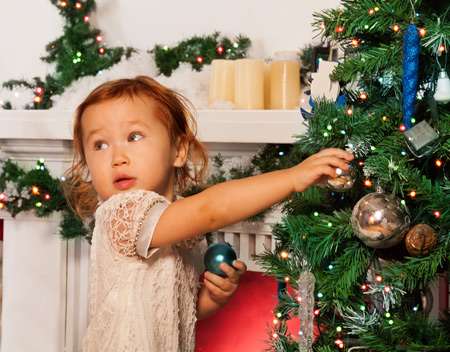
pixel 98 145
pixel 132 135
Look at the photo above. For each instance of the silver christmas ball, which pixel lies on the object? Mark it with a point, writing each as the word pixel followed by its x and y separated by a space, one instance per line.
pixel 380 220
pixel 343 182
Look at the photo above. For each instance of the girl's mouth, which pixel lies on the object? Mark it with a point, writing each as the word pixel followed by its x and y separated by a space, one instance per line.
pixel 124 183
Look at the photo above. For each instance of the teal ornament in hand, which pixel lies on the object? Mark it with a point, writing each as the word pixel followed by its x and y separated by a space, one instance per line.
pixel 216 254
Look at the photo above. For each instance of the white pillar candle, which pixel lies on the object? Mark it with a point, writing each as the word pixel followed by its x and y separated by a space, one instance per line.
pixel 221 84
pixel 266 85
pixel 285 81
pixel 249 84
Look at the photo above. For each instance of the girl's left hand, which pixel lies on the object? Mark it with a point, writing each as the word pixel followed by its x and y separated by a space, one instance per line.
pixel 221 289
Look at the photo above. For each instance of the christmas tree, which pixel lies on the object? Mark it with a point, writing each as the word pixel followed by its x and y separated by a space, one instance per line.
pixel 355 257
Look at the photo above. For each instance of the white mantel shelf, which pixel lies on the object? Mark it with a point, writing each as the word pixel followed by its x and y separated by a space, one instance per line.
pixel 214 126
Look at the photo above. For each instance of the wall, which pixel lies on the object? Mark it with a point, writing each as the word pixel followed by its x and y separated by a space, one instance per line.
pixel 28 25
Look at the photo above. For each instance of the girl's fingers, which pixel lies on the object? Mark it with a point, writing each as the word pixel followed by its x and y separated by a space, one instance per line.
pixel 240 266
pixel 336 152
pixel 334 162
pixel 232 274
pixel 328 170
pixel 215 291
pixel 223 283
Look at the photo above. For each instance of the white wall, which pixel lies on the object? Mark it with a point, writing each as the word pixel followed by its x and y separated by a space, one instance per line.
pixel 26 26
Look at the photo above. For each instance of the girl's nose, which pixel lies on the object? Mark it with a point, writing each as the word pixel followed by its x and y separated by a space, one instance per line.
pixel 119 157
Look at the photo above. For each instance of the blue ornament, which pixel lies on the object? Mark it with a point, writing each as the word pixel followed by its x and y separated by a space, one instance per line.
pixel 216 254
pixel 341 101
pixel 411 51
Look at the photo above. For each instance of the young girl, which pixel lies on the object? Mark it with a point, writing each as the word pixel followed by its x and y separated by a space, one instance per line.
pixel 134 150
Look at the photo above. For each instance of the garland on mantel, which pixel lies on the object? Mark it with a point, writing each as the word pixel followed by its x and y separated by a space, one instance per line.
pixel 37 191
pixel 199 51
pixel 81 51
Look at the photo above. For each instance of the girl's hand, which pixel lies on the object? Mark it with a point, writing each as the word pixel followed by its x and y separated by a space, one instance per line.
pixel 221 289
pixel 319 167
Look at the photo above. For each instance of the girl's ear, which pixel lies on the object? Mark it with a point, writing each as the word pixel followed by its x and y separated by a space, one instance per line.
pixel 181 153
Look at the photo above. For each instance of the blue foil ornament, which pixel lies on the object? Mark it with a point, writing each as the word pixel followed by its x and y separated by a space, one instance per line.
pixel 216 254
pixel 411 51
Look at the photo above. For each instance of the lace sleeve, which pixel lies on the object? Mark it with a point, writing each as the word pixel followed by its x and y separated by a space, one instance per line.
pixel 133 218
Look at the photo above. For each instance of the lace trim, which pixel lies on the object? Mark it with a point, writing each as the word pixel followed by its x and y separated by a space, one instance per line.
pixel 129 249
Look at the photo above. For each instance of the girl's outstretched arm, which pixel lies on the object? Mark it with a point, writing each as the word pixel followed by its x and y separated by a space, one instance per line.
pixel 229 202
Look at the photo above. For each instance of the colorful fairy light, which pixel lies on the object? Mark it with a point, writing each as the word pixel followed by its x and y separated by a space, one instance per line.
pixel 199 59
pixel 220 50
pixel 339 343
pixel 368 183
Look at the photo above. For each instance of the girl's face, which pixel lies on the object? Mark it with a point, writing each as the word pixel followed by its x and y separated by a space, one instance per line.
pixel 125 138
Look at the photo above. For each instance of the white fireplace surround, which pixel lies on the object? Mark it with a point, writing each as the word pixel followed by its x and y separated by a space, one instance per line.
pixel 45 279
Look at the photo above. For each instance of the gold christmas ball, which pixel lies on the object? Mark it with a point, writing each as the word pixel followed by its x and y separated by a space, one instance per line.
pixel 420 240
pixel 380 220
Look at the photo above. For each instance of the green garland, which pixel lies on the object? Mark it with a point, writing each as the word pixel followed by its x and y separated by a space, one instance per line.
pixel 36 190
pixel 199 51
pixel 79 52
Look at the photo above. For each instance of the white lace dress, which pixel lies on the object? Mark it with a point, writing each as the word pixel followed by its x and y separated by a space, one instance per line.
pixel 140 299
